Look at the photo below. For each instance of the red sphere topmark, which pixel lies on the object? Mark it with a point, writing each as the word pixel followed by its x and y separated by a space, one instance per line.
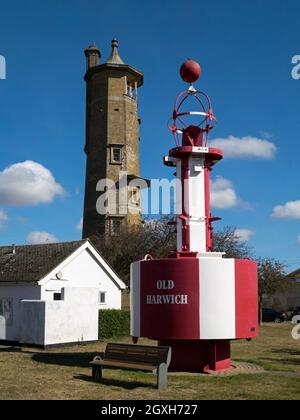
pixel 190 71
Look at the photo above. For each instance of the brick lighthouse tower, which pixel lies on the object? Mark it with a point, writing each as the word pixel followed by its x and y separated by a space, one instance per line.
pixel 112 138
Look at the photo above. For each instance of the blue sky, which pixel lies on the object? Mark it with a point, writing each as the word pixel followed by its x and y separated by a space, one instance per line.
pixel 245 49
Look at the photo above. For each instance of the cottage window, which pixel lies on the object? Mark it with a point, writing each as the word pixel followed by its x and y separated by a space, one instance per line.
pixel 57 296
pixel 102 298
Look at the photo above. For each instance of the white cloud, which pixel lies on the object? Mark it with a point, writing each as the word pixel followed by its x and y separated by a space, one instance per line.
pixel 3 218
pixel 290 210
pixel 80 225
pixel 38 238
pixel 244 235
pixel 28 184
pixel 245 147
pixel 223 195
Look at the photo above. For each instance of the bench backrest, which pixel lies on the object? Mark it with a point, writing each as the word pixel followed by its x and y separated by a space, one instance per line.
pixel 139 354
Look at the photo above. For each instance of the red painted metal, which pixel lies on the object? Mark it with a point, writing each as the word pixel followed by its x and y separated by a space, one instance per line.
pixel 160 318
pixel 189 356
pixel 192 136
pixel 190 71
pixel 185 174
pixel 207 122
pixel 212 156
pixel 208 222
pixel 219 356
pixel 246 291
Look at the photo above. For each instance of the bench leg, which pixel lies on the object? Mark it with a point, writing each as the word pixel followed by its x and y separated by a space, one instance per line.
pixel 162 376
pixel 97 373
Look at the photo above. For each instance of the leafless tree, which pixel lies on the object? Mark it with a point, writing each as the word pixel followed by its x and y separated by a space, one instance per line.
pixel 225 240
pixel 154 237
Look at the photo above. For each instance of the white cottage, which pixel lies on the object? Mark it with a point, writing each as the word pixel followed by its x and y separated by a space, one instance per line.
pixel 50 294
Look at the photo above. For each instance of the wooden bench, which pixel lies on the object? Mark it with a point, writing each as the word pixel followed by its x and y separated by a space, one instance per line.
pixel 134 357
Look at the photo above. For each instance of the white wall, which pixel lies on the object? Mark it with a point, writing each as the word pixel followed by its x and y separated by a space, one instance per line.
pixel 32 327
pixel 72 320
pixel 16 293
pixel 84 271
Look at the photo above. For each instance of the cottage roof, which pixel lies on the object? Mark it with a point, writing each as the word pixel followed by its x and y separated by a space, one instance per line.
pixel 30 263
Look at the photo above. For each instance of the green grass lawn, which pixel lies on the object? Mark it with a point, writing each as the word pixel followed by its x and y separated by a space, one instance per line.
pixel 64 374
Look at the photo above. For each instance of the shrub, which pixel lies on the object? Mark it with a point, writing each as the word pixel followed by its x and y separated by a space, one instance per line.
pixel 114 323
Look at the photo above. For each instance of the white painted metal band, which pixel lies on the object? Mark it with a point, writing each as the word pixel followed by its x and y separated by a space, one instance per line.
pixel 135 298
pixel 197 205
pixel 217 299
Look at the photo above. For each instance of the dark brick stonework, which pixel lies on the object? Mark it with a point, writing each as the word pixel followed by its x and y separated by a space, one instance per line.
pixel 112 122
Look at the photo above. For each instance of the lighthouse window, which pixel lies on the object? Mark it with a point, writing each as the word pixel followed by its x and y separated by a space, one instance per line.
pixel 116 155
pixel 133 93
pixel 131 90
pixel 115 227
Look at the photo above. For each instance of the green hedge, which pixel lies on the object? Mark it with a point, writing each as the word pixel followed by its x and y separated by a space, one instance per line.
pixel 114 323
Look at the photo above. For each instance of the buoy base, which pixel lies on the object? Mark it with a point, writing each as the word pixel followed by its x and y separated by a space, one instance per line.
pixel 199 356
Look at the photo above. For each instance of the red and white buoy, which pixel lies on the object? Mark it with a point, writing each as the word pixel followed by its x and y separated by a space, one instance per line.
pixel 195 301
